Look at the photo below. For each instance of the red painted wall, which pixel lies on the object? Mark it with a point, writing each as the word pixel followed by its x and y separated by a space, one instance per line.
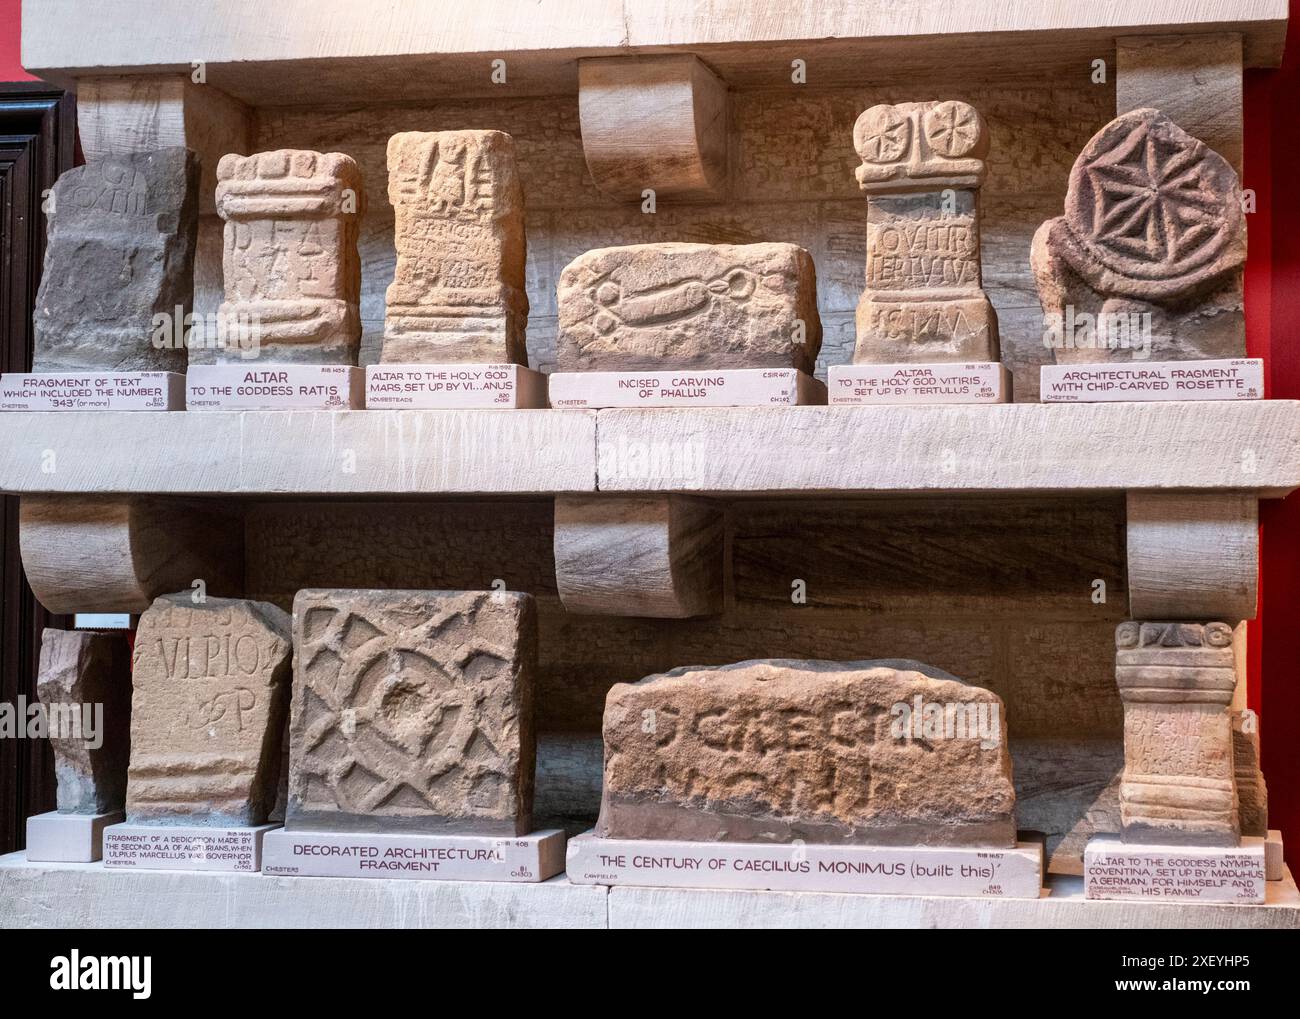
pixel 11 69
pixel 1273 332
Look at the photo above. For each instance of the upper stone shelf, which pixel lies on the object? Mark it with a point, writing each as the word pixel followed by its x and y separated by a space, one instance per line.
pixel 332 51
pixel 1251 446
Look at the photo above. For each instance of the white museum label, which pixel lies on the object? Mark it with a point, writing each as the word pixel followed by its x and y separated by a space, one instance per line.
pixel 274 387
pixel 730 387
pixel 1116 870
pixel 525 858
pixel 453 386
pixel 1234 379
pixel 77 390
pixel 871 870
pixel 184 847
pixel 860 385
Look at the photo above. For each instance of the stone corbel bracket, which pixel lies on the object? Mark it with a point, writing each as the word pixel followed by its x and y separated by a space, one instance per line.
pixel 116 554
pixel 659 556
pixel 1193 556
pixel 653 122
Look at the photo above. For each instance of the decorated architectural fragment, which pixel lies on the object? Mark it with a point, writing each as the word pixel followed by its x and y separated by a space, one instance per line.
pixel 412 712
pixel 922 167
pixel 875 752
pixel 84 684
pixel 690 306
pixel 292 273
pixel 211 688
pixel 122 231
pixel 1176 681
pixel 458 291
pixel 1146 262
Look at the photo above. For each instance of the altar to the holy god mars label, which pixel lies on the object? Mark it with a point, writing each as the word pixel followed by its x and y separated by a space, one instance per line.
pixel 274 387
pixel 873 870
pixel 92 391
pixel 1116 870
pixel 860 385
pixel 454 386
pixel 184 847
pixel 526 858
pixel 1235 379
pixel 729 387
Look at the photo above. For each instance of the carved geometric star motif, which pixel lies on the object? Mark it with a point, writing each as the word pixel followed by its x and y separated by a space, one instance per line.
pixel 1150 201
pixel 884 137
pixel 952 129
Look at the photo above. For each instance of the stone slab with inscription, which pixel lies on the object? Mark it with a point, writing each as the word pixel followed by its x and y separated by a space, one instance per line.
pixel 457 294
pixel 1115 870
pixel 727 387
pixel 807 867
pixel 290 264
pixel 185 847
pixel 274 387
pixel 861 385
pixel 1129 381
pixel 676 306
pixel 211 689
pixel 924 302
pixel 1153 233
pixel 412 712
pixel 454 386
pixel 527 858
pixel 54 837
pixel 888 752
pixel 122 235
pixel 84 390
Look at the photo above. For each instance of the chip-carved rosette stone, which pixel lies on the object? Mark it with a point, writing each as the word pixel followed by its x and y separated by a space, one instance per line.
pixel 920 147
pixel 412 712
pixel 117 554
pixel 1177 680
pixel 1153 225
pixel 290 263
pixel 658 556
pixel 779 750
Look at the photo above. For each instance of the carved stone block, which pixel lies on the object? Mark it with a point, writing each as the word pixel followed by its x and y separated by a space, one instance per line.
pixel 922 164
pixel 84 684
pixel 292 273
pixel 1176 681
pixel 458 291
pixel 412 711
pixel 122 232
pixel 884 752
pixel 1150 248
pixel 211 692
pixel 655 306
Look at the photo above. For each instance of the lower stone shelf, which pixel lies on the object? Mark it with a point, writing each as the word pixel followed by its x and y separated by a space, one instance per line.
pixel 85 895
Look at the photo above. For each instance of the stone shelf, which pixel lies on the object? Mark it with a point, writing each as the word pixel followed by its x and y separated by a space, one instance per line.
pixel 1248 446
pixel 73 895
pixel 299 50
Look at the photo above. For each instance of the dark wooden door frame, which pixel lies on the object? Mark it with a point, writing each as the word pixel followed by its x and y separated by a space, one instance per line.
pixel 37 143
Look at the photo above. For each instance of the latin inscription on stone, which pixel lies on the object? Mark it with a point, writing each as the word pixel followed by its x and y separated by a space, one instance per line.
pixel 458 292
pixel 211 688
pixel 122 232
pixel 827 752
